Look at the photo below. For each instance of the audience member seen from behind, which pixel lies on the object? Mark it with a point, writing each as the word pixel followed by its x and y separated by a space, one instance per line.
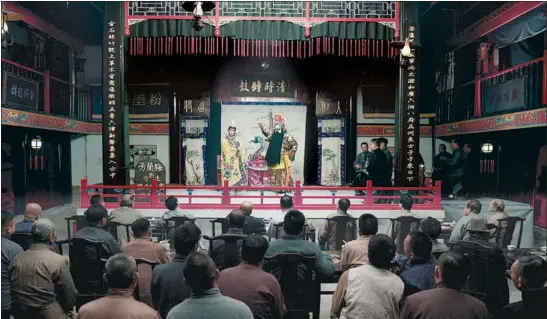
pixel 96 199
pixel 125 215
pixel 370 291
pixel 472 210
pixel 33 212
pixel 121 277
pixel 236 219
pixel 172 204
pixel 206 301
pixel 494 287
pixel 169 288
pixel 529 274
pixel 292 242
pixel 418 266
pixel 446 301
pixel 286 204
pixel 497 207
pixel 253 225
pixel 143 247
pixel 355 252
pixel 250 284
pixel 405 204
pixel 96 217
pixel 40 280
pixel 432 227
pixel 9 251
pixel 327 237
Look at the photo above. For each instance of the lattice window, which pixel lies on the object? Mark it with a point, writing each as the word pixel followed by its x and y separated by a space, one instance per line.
pixel 353 9
pixel 289 9
pixel 158 8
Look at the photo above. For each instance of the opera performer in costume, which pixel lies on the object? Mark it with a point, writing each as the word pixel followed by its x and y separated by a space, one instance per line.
pixel 233 167
pixel 281 150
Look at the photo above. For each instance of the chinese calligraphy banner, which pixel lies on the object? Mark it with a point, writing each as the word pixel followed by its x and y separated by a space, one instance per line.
pixel 504 96
pixel 115 168
pixel 19 92
pixel 262 86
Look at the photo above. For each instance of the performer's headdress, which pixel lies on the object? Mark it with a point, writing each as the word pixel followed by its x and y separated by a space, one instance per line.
pixel 279 119
pixel 233 125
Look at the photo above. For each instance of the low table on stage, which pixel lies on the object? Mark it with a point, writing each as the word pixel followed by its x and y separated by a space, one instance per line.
pixel 258 173
pixel 454 210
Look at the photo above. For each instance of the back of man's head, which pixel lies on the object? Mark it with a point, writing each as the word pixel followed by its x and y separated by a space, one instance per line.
pixel 127 200
pixel 7 221
pixel 141 228
pixel 120 271
pixel 533 271
pixel 432 227
pixel 343 204
pixel 418 245
pixel 368 225
pixel 452 270
pixel 236 218
pixel 200 272
pixel 381 251
pixel 246 207
pixel 95 214
pixel 171 203
pixel 406 202
pixel 254 248
pixel 294 221
pixel 286 202
pixel 96 199
pixel 43 231
pixel 33 211
pixel 474 206
pixel 186 238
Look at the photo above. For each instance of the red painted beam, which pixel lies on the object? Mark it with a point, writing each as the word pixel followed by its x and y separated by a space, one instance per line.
pixel 496 19
pixel 44 26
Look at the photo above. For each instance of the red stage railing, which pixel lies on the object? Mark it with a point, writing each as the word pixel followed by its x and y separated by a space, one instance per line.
pixel 152 197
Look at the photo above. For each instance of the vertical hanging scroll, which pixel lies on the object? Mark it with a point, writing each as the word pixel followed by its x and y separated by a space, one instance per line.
pixel 114 166
pixel 411 124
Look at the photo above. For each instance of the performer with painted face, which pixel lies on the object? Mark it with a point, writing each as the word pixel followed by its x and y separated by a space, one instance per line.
pixel 233 167
pixel 281 150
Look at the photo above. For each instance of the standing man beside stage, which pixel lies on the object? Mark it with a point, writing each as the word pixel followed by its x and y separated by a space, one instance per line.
pixel 360 166
pixel 456 168
pixel 383 147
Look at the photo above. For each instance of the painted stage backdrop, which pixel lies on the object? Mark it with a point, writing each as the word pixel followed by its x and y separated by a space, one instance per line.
pixel 263 144
pixel 194 137
pixel 331 142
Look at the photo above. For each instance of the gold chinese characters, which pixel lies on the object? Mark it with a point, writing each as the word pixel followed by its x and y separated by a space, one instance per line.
pixel 111 98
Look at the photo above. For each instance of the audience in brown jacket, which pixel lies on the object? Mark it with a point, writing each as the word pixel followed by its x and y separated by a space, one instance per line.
pixel 142 247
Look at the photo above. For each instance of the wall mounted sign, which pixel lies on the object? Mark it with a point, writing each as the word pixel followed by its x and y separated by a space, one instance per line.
pixel 262 86
pixel 504 96
pixel 326 106
pixel 191 106
pixel 148 170
pixel 148 102
pixel 19 92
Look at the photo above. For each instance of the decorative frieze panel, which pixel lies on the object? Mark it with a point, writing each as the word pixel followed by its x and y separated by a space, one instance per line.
pixel 288 9
pixel 353 9
pixel 158 8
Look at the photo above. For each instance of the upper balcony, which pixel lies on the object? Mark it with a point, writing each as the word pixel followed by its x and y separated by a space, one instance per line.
pixel 27 89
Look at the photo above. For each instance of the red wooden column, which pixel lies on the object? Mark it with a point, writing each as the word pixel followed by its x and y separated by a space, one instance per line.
pixel 477 109
pixel 47 92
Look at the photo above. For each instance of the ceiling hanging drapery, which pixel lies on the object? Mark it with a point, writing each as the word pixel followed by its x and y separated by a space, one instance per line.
pixel 166 46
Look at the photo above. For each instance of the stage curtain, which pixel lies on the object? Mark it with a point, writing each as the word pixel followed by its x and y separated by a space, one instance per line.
pixel 520 29
pixel 213 148
pixel 263 30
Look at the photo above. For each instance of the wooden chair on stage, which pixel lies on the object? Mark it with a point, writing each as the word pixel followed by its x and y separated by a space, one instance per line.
pixel 299 281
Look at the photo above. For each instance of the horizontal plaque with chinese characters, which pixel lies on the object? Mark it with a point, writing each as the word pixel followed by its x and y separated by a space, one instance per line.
pixel 262 86
pixel 19 92
pixel 195 106
pixel 147 101
pixel 326 106
pixel 504 96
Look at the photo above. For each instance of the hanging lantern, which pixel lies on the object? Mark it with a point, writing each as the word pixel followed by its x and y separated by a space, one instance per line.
pixel 36 143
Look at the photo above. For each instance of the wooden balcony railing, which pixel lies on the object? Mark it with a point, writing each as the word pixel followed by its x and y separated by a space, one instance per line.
pixel 517 88
pixel 28 89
